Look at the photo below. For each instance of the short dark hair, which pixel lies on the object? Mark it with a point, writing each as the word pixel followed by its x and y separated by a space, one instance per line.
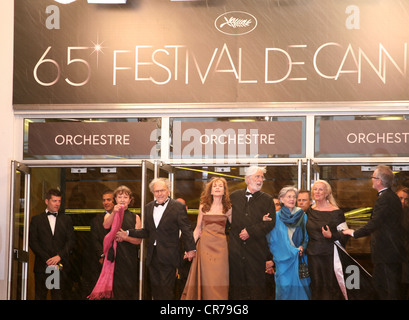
pixel 108 191
pixel 305 191
pixel 53 192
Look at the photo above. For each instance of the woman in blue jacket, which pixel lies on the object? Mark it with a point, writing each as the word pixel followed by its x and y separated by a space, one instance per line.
pixel 287 242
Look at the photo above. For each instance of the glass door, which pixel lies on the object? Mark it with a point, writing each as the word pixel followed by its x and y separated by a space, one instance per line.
pixel 190 180
pixel 82 189
pixel 18 261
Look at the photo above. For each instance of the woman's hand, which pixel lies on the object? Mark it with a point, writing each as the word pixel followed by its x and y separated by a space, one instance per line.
pixel 266 217
pixel 117 208
pixel 326 232
pixel 196 234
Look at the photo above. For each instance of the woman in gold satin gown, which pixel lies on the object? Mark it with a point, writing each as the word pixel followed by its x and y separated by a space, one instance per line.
pixel 208 277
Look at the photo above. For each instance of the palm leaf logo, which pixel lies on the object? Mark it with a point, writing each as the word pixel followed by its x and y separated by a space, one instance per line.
pixel 236 23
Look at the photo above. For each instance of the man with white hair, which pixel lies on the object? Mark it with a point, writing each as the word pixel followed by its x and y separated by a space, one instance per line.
pixel 248 250
pixel 165 218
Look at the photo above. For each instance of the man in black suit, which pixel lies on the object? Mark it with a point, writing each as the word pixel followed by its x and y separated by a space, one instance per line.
pixel 385 228
pixel 52 239
pixel 248 250
pixel 164 218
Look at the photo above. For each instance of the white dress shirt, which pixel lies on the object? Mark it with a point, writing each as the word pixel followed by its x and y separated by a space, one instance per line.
pixel 51 219
pixel 158 213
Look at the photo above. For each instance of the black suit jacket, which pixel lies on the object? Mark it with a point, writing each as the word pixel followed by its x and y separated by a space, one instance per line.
pixel 166 234
pixel 250 216
pixel 46 245
pixel 385 228
pixel 247 259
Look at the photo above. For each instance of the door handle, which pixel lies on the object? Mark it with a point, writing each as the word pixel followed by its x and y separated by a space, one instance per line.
pixel 20 255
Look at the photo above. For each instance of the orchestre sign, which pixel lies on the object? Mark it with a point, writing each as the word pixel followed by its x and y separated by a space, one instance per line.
pixel 373 137
pixel 241 140
pixel 235 51
pixel 83 138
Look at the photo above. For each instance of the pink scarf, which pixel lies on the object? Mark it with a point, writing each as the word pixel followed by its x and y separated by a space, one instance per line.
pixel 103 288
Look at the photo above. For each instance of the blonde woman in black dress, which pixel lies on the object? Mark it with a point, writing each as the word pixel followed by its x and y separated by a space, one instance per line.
pixel 324 225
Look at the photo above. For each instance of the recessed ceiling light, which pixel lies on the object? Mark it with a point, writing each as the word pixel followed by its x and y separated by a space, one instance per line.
pixel 65 1
pixel 107 1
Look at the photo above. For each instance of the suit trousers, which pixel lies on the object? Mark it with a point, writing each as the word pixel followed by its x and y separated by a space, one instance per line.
pixel 162 278
pixel 387 280
pixel 41 290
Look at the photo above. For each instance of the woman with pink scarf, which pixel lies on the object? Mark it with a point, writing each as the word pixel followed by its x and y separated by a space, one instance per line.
pixel 119 274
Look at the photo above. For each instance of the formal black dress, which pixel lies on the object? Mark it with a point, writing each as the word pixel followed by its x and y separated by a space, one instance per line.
pixel 320 251
pixel 126 273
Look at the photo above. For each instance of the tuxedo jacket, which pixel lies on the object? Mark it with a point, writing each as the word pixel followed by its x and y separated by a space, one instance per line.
pixel 249 215
pixel 247 259
pixel 385 228
pixel 46 245
pixel 166 235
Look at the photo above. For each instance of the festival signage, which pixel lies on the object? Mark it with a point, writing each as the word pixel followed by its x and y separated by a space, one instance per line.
pixel 364 137
pixel 187 52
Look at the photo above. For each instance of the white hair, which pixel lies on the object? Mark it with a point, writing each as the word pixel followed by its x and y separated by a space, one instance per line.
pixel 253 170
pixel 156 180
pixel 285 190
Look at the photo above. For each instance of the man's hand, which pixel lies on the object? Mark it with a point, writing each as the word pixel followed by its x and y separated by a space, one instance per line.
pixel 190 255
pixel 349 232
pixel 244 235
pixel 53 261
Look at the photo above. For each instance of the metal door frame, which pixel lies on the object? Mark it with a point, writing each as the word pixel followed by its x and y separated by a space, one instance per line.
pixel 15 254
pixel 146 165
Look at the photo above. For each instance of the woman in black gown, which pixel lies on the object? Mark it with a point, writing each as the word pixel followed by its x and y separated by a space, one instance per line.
pixel 324 225
pixel 126 275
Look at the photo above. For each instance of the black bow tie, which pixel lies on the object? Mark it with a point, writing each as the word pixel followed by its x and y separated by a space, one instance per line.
pixel 249 193
pixel 160 204
pixel 52 213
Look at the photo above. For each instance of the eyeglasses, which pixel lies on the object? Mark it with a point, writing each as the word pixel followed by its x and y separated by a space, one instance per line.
pixel 159 191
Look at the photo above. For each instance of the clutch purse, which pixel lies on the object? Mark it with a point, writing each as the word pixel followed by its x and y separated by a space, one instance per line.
pixel 302 268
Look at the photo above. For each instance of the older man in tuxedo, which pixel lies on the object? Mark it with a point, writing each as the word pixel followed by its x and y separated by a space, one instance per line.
pixel 248 250
pixel 164 218
pixel 52 239
pixel 385 228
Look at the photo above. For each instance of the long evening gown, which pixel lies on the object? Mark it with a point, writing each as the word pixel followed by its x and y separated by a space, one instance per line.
pixel 126 280
pixel 320 251
pixel 208 277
